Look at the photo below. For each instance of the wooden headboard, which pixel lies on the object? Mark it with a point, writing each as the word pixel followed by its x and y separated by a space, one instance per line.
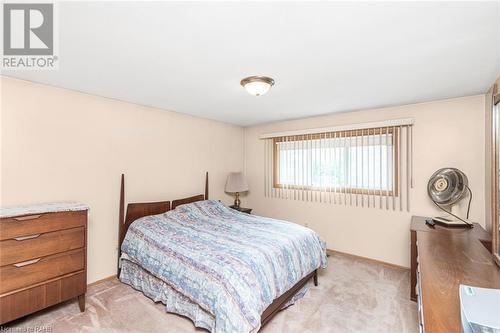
pixel 137 210
pixel 184 201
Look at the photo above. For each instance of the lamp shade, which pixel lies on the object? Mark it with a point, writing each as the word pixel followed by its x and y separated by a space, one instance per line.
pixel 257 88
pixel 257 85
pixel 236 182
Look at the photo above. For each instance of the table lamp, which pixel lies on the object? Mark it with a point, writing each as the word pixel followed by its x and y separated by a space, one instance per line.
pixel 236 183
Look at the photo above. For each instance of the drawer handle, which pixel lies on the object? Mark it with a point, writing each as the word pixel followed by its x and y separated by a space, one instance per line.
pixel 25 218
pixel 26 263
pixel 27 237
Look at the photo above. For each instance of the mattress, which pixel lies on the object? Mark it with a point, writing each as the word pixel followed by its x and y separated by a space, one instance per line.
pixel 217 266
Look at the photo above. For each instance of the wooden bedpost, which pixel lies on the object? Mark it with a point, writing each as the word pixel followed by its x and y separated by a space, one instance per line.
pixel 206 186
pixel 121 217
pixel 122 199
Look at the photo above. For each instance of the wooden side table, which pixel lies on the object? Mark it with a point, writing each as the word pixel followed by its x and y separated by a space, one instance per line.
pixel 242 209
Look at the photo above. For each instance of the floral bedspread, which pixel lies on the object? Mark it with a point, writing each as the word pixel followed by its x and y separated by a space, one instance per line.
pixel 231 264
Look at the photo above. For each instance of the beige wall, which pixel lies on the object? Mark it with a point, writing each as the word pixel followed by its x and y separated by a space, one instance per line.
pixel 58 144
pixel 446 133
pixel 488 185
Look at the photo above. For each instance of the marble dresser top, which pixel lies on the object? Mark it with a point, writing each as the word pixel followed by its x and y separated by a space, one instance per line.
pixel 41 208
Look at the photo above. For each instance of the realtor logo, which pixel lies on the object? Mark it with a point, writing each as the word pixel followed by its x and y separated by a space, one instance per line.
pixel 28 36
pixel 28 29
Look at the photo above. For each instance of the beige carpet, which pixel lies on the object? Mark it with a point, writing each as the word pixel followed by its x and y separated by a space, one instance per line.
pixel 353 295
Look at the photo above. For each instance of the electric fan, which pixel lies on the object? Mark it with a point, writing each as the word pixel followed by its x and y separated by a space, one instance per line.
pixel 446 187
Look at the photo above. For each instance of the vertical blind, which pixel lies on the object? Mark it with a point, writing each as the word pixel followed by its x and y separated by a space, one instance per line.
pixel 365 166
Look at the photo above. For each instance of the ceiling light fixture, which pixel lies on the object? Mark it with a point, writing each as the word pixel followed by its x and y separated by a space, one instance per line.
pixel 257 85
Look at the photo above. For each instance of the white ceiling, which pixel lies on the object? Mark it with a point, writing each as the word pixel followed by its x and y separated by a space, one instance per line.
pixel 325 57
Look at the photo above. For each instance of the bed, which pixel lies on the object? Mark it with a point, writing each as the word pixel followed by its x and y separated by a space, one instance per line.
pixel 225 270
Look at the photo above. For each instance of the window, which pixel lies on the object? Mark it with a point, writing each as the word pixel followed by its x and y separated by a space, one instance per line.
pixel 371 165
pixel 495 166
pixel 351 161
pixel 354 161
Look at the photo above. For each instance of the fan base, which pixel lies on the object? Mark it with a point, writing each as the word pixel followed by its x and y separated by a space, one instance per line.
pixel 450 222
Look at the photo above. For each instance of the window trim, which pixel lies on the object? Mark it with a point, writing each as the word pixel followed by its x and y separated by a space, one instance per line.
pixel 343 134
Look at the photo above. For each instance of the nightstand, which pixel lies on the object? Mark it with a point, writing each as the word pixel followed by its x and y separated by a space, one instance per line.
pixel 241 209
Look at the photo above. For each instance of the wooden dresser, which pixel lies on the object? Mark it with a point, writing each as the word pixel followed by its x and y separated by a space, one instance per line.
pixel 442 259
pixel 42 257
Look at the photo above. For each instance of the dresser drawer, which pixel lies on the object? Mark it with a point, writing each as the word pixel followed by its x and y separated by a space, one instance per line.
pixel 30 272
pixel 24 248
pixel 12 227
pixel 32 299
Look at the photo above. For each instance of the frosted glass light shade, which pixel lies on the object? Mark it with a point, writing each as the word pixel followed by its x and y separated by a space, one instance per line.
pixel 257 85
pixel 236 182
pixel 257 88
